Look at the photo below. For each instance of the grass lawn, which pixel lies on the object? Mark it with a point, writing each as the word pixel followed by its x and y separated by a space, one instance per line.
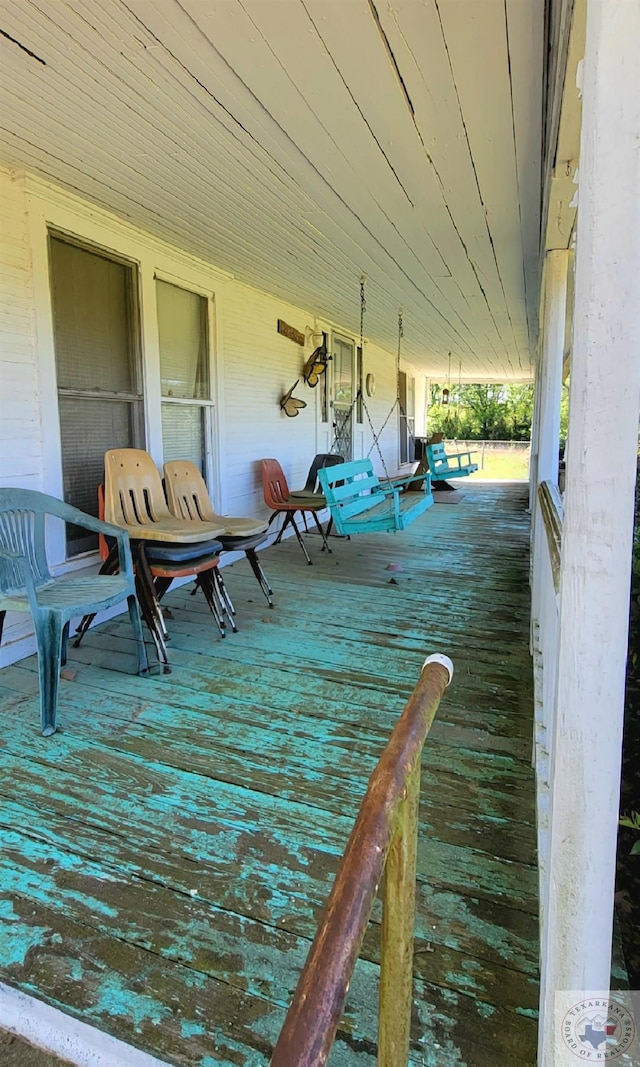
pixel 506 463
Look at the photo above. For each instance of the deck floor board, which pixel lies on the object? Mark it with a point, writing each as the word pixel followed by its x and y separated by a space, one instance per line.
pixel 167 854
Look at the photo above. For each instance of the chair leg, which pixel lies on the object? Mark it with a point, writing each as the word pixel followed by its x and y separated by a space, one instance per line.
pixel 65 642
pixel 2 618
pixel 299 536
pixel 49 629
pixel 225 599
pixel 82 629
pixel 134 615
pixel 288 518
pixel 207 583
pixel 321 532
pixel 142 566
pixel 256 567
pixel 147 601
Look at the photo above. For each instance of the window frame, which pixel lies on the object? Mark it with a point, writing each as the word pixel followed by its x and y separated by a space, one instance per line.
pixel 135 399
pixel 209 406
pixel 406 421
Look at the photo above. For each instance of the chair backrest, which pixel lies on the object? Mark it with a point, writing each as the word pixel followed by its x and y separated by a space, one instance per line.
pixel 133 493
pixel 274 484
pixel 22 513
pixel 436 456
pixel 186 491
pixel 351 488
pixel 323 459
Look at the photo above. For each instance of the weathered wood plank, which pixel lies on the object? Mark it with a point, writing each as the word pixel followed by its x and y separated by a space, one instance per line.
pixel 238 776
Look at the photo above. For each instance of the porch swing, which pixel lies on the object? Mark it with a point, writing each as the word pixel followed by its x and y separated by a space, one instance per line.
pixel 359 502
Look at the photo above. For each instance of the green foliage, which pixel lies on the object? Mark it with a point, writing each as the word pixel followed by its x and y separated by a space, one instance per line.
pixel 482 412
pixel 633 821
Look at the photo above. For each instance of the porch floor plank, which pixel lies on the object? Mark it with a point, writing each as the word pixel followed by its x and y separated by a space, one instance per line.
pixel 167 853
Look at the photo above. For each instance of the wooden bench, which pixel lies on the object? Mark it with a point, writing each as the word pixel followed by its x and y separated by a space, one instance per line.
pixel 443 466
pixel 360 503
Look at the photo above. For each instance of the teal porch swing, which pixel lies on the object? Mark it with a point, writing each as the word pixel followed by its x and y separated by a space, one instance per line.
pixel 359 502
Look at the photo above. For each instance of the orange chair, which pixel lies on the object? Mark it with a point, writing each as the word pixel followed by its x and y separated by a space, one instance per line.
pixel 278 497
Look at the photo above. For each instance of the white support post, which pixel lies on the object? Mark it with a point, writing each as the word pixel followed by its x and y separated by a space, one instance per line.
pixel 535 424
pixel 598 522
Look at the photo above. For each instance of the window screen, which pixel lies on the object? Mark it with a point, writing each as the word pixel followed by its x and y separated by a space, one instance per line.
pixel 184 370
pixel 92 320
pixel 184 348
pixel 183 433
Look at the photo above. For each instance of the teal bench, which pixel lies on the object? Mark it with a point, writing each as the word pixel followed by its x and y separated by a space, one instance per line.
pixel 360 503
pixel 443 466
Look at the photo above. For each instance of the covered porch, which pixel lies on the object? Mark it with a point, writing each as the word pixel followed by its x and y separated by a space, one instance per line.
pixel 168 851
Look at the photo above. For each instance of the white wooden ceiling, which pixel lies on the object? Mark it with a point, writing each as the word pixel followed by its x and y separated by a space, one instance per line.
pixel 301 143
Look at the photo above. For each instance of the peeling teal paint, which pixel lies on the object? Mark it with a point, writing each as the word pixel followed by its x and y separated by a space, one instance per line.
pixel 115 998
pixel 170 849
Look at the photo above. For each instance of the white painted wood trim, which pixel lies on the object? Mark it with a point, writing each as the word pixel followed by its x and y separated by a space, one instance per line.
pixel 548 394
pixel 52 1030
pixel 554 321
pixel 597 534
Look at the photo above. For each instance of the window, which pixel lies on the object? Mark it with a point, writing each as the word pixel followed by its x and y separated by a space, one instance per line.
pixel 95 324
pixel 406 390
pixel 343 352
pixel 183 328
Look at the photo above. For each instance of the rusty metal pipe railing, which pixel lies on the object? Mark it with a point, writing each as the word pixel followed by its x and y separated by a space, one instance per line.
pixel 386 826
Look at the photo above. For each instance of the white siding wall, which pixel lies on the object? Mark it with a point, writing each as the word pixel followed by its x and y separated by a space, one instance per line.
pixel 260 365
pixel 254 365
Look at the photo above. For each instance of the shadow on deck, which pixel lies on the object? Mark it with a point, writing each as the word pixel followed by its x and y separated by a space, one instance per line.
pixel 167 852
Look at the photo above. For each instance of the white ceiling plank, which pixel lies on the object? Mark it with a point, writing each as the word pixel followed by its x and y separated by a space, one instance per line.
pixel 390 117
pixel 415 34
pixel 251 134
pixel 525 25
pixel 475 32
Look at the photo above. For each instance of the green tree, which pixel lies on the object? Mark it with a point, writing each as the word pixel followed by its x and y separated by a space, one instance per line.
pixel 482 412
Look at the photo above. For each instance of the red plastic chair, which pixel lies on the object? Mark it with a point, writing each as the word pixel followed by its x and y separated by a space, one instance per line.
pixel 278 498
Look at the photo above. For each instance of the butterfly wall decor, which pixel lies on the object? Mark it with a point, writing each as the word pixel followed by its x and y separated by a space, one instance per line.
pixel 290 404
pixel 316 364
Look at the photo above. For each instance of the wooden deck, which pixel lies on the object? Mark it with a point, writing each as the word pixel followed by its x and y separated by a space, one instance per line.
pixel 167 852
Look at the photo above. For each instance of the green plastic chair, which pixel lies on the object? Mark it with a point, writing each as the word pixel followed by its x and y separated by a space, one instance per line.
pixel 26 585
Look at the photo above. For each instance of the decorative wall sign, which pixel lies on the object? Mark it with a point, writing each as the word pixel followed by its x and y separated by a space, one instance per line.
pixel 290 332
pixel 370 384
pixel 290 404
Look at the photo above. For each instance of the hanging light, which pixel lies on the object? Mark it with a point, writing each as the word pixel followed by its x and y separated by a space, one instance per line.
pixel 446 392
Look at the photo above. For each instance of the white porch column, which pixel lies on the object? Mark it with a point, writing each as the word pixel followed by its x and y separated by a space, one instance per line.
pixel 535 424
pixel 597 533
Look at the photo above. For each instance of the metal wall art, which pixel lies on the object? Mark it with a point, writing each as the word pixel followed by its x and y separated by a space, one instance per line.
pixel 290 404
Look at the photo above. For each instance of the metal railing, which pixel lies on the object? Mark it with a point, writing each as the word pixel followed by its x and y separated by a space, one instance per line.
pixel 383 839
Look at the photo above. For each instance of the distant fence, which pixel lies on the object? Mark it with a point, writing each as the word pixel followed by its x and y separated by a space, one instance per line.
pixel 496 459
